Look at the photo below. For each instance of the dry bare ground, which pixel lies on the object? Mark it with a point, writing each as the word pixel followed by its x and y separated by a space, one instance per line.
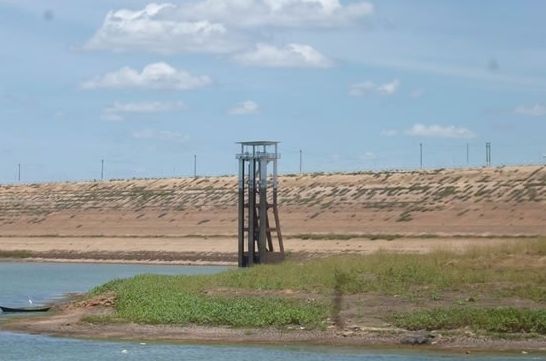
pixel 195 219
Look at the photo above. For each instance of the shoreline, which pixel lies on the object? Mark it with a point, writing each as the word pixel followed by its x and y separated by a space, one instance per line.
pixel 67 320
pixel 80 316
pixel 184 258
pixel 182 262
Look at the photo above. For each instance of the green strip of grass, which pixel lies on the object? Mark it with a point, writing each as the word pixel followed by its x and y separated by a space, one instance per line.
pixel 393 236
pixel 15 254
pixel 180 300
pixel 498 320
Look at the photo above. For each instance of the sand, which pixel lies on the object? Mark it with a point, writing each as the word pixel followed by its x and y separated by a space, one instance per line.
pixel 221 251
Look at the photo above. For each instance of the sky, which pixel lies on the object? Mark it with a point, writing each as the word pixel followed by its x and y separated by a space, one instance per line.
pixel 355 85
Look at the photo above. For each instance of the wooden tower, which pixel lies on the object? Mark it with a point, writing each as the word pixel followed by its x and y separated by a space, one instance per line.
pixel 257 196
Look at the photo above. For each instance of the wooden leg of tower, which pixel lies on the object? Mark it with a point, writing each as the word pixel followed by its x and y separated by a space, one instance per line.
pixel 269 239
pixel 278 228
pixel 241 230
pixel 261 236
pixel 256 234
pixel 251 238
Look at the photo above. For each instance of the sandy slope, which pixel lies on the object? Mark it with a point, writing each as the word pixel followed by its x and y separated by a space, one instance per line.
pixel 199 215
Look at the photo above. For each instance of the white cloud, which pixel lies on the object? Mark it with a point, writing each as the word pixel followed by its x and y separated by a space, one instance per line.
pixel 246 107
pixel 537 110
pixel 277 13
pixel 115 111
pixel 161 135
pixel 153 76
pixel 369 87
pixel 155 29
pixel 389 132
pixel 362 88
pixel 145 107
pixel 388 88
pixel 112 117
pixel 216 26
pixel 439 131
pixel 292 55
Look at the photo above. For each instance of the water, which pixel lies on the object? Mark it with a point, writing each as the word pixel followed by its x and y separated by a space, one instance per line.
pixel 44 282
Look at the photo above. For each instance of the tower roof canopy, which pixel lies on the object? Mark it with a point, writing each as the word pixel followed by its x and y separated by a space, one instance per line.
pixel 259 142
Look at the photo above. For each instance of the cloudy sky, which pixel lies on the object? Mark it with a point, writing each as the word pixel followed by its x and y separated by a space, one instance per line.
pixel 354 84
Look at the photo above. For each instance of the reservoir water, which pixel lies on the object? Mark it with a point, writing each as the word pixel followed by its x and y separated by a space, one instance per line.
pixel 45 282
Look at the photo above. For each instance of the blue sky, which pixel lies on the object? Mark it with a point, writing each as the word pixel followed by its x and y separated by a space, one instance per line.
pixel 354 84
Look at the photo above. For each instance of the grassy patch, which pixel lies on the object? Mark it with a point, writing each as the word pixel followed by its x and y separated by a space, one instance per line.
pixel 153 299
pixel 498 320
pixel 302 293
pixel 344 236
pixel 392 236
pixel 15 254
pixel 320 236
pixel 492 269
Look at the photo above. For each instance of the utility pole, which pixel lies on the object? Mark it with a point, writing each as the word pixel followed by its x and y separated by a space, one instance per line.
pixel 19 172
pixel 421 155
pixel 301 161
pixel 102 169
pixel 195 166
pixel 467 154
pixel 488 154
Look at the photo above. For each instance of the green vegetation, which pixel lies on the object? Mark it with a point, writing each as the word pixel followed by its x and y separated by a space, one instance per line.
pixel 156 299
pixel 491 269
pixel 498 320
pixel 392 236
pixel 404 217
pixel 305 293
pixel 15 254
